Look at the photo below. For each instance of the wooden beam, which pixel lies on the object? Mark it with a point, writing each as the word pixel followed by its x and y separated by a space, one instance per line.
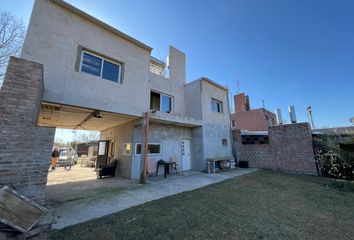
pixel 143 176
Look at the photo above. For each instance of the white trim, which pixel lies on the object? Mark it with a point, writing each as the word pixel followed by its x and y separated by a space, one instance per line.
pixel 150 154
pixel 103 59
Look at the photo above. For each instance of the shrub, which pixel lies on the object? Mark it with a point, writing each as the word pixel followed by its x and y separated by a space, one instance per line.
pixel 332 161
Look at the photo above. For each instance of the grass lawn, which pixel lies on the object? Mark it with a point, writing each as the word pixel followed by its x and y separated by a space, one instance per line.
pixel 261 205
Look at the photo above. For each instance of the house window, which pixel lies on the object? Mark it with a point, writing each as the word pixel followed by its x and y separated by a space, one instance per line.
pixel 153 148
pixel 216 106
pixel 224 142
pixel 127 149
pixel 160 102
pixel 100 67
pixel 233 123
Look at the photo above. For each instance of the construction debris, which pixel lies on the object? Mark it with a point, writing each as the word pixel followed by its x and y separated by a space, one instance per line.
pixel 18 211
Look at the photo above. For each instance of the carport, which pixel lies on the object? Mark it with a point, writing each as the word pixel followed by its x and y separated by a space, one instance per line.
pixel 70 184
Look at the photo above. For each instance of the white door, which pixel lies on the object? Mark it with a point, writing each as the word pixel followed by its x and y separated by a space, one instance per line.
pixel 186 155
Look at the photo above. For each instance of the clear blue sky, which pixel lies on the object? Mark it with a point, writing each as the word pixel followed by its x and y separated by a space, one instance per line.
pixel 294 52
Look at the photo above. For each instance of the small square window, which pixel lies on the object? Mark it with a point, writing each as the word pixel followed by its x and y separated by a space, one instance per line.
pixel 216 106
pixel 224 142
pixel 127 149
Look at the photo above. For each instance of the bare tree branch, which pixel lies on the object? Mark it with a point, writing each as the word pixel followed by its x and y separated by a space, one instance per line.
pixel 12 33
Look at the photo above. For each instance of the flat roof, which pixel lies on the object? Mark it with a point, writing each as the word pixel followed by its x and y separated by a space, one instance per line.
pixel 99 23
pixel 214 84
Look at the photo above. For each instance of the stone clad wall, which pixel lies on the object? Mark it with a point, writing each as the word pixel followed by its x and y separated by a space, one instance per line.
pixel 25 148
pixel 289 149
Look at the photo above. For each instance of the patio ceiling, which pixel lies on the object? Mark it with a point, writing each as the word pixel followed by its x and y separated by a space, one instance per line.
pixel 64 116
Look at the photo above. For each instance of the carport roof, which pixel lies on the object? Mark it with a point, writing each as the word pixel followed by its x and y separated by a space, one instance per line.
pixel 71 117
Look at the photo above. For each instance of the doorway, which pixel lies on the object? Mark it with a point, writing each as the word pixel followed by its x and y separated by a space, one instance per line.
pixel 186 155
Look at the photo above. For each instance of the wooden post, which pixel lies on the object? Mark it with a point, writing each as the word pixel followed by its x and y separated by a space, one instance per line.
pixel 143 176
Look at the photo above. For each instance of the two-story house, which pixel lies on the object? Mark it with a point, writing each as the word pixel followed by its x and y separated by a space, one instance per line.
pixel 98 78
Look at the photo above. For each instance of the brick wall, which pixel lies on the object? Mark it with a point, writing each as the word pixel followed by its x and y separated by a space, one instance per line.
pixel 289 149
pixel 253 120
pixel 25 148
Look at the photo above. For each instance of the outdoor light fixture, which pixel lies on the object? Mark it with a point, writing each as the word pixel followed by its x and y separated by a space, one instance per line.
pixel 96 114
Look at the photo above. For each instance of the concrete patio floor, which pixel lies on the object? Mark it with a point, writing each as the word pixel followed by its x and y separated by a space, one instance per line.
pixel 77 202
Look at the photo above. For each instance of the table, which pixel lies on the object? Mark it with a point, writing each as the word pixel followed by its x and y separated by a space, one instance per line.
pixel 211 162
pixel 166 166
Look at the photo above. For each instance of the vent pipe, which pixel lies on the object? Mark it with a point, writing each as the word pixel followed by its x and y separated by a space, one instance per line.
pixel 292 114
pixel 309 114
pixel 278 115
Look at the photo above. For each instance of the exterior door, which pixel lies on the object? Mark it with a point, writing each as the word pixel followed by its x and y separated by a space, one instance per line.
pixel 102 153
pixel 186 155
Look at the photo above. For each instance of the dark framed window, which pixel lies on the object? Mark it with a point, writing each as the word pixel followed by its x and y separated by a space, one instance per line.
pixel 100 66
pixel 216 106
pixel 160 102
pixel 153 148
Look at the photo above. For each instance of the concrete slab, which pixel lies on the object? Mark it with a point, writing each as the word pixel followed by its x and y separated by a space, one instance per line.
pixel 114 199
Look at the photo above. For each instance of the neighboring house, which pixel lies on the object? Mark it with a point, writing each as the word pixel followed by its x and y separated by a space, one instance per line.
pixel 98 78
pixel 251 120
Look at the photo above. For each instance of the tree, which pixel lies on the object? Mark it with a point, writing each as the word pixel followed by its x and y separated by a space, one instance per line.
pixel 12 33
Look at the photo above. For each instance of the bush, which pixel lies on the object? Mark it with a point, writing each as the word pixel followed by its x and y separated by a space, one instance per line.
pixel 332 161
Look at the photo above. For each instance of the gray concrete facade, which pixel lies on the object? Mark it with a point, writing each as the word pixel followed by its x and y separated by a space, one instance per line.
pixel 57 36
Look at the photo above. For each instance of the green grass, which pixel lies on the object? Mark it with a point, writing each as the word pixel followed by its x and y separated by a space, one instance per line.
pixel 262 205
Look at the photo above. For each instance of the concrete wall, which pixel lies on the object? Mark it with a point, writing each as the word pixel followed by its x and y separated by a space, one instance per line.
pixel 177 65
pixel 25 148
pixel 120 135
pixel 53 39
pixel 290 149
pixel 174 85
pixel 193 99
pixel 170 137
pixel 216 126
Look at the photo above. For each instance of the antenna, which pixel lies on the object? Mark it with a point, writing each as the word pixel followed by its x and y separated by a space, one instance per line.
pixel 238 81
pixel 263 104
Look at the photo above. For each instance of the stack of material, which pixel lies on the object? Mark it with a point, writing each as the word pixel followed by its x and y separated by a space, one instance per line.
pixel 17 211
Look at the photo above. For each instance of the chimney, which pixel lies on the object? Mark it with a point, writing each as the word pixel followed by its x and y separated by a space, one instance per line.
pixel 292 114
pixel 278 115
pixel 241 102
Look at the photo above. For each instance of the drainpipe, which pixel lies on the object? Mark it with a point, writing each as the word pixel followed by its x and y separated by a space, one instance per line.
pixel 230 132
pixel 143 175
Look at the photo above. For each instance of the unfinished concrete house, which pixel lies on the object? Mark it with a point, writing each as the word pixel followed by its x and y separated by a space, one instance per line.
pixel 95 77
